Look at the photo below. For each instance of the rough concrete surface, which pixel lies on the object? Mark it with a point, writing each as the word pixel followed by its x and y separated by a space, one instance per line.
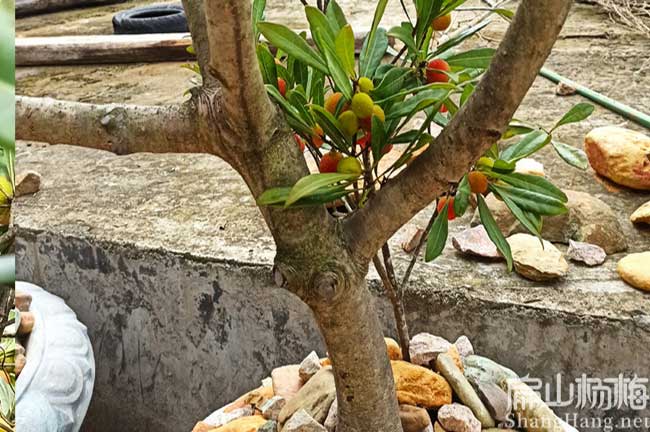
pixel 167 261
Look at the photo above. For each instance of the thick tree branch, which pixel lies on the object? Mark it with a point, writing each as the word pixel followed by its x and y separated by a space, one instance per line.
pixel 477 126
pixel 121 129
pixel 195 12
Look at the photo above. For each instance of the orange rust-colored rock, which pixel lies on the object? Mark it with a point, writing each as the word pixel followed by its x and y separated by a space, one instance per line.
pixel 419 386
pixel 394 351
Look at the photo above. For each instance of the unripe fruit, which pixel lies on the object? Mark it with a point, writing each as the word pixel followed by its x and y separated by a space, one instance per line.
pixel 330 161
pixel 442 23
pixel 349 165
pixel 299 141
pixel 349 123
pixel 317 136
pixel 282 86
pixel 366 124
pixel 432 73
pixel 485 161
pixel 366 85
pixel 478 182
pixel 362 105
pixel 451 214
pixel 332 102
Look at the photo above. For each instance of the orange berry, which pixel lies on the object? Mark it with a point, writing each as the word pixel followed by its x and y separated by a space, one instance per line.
pixel 299 141
pixel 451 214
pixel 364 141
pixel 333 101
pixel 282 86
pixel 317 136
pixel 478 182
pixel 387 149
pixel 432 73
pixel 443 109
pixel 330 161
pixel 441 23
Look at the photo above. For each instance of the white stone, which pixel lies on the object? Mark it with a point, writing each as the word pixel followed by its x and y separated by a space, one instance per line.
pixel 424 348
pixel 529 166
pixel 535 262
pixel 271 408
pixel 301 421
pixel 309 366
pixel 464 346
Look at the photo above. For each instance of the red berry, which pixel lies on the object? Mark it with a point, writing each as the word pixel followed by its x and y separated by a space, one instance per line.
pixel 433 68
pixel 387 149
pixel 330 161
pixel 282 86
pixel 300 142
pixel 451 214
pixel 365 141
pixel 443 109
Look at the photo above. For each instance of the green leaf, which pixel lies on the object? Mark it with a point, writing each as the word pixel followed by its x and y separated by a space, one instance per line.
pixel 437 237
pixel 459 38
pixel 529 144
pixel 378 138
pixel 258 15
pixel 391 83
pixel 416 103
pixel 467 92
pixel 267 65
pixel 273 196
pixel 404 33
pixel 330 126
pixel 318 23
pixel 335 16
pixel 337 72
pixel 372 51
pixel 461 201
pixel 506 13
pixel 493 231
pixel 573 156
pixel 313 183
pixel 519 214
pixel 517 128
pixel 578 113
pixel 426 10
pixel 450 6
pixel 277 196
pixel 534 183
pixel 478 58
pixel 294 116
pixel 345 49
pixel 285 39
pixel 535 202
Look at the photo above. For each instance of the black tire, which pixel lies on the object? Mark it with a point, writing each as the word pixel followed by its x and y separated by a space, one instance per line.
pixel 162 18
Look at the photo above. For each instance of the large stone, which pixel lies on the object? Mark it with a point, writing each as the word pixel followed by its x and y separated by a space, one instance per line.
pixel 22 301
pixel 413 419
pixel 458 418
pixel 475 241
pixel 530 166
pixel 301 421
pixel 271 408
pixel 464 346
pixel 286 381
pixel 244 424
pixel 27 183
pixel 530 408
pixel 424 348
pixel 620 155
pixel 463 389
pixel 309 366
pixel 332 418
pixel 586 253
pixel 635 270
pixel 481 369
pixel 393 349
pixel 495 400
pixel 224 415
pixel 416 385
pixel 269 426
pixel 535 262
pixel 588 220
pixel 641 215
pixel 315 397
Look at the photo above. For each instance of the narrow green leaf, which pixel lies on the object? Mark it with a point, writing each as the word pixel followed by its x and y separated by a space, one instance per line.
pixel 345 49
pixel 337 71
pixel 478 58
pixel 529 144
pixel 437 237
pixel 318 23
pixel 289 109
pixel 330 126
pixel 378 140
pixel 336 16
pixel 273 196
pixel 267 65
pixel 578 113
pixel 285 39
pixel 458 39
pixel 493 231
pixel 518 213
pixel 506 13
pixel 467 92
pixel 534 183
pixel 461 201
pixel 391 83
pixel 372 52
pixel 531 201
pixel 404 33
pixel 258 15
pixel 573 156
pixel 311 184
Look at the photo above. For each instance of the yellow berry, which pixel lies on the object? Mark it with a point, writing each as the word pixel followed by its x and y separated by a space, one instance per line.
pixel 485 161
pixel 379 113
pixel 349 123
pixel 362 105
pixel 366 85
pixel 349 165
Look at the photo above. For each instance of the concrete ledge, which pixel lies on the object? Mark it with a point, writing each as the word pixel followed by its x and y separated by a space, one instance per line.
pixel 166 259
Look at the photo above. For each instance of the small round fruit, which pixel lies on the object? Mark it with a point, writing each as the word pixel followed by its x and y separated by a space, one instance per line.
pixel 366 85
pixel 317 136
pixel 478 182
pixel 366 124
pixel 443 109
pixel 332 102
pixel 433 68
pixel 349 165
pixel 442 23
pixel 362 105
pixel 330 161
pixel 349 123
pixel 485 161
pixel 451 214
pixel 387 149
pixel 299 141
pixel 282 86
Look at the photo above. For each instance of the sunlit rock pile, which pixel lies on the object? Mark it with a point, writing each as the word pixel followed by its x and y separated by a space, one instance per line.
pixel 444 388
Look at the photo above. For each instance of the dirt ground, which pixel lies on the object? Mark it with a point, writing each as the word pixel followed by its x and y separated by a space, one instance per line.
pixel 592 50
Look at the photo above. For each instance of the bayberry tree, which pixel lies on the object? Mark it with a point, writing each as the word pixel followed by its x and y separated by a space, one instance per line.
pixel 263 107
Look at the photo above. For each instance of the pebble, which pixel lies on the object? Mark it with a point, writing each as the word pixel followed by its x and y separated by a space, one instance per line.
pixel 458 418
pixel 272 407
pixel 635 270
pixel 301 421
pixel 269 426
pixel 495 400
pixel 309 367
pixel 23 301
pixel 586 253
pixel 315 397
pixel 641 215
pixel 413 419
pixel 286 381
pixel 476 242
pixel 464 346
pixel 424 348
pixel 530 166
pixel 482 369
pixel 534 262
pixel 332 418
pixel 27 183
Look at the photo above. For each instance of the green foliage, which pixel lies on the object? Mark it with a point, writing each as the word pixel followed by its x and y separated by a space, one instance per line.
pixel 437 235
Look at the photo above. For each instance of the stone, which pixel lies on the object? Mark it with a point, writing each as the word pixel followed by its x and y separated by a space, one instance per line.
pixel 534 262
pixel 588 220
pixel 424 348
pixel 530 408
pixel 635 270
pixel 475 241
pixel 393 349
pixel 641 215
pixel 458 418
pixel 419 386
pixel 529 166
pixel 286 381
pixel 243 424
pixel 202 427
pixel 315 397
pixel 20 360
pixel 271 408
pixel 586 253
pixel 22 301
pixel 564 89
pixel 463 390
pixel 413 419
pixel 269 426
pixel 481 369
pixel 253 399
pixel 332 418
pixel 27 183
pixel 26 323
pixel 301 421
pixel 437 427
pixel 223 416
pixel 464 346
pixel 621 155
pixel 309 366
pixel 455 356
pixel 495 400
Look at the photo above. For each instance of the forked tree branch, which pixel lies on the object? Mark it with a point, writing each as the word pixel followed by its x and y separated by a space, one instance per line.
pixel 121 129
pixel 477 126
